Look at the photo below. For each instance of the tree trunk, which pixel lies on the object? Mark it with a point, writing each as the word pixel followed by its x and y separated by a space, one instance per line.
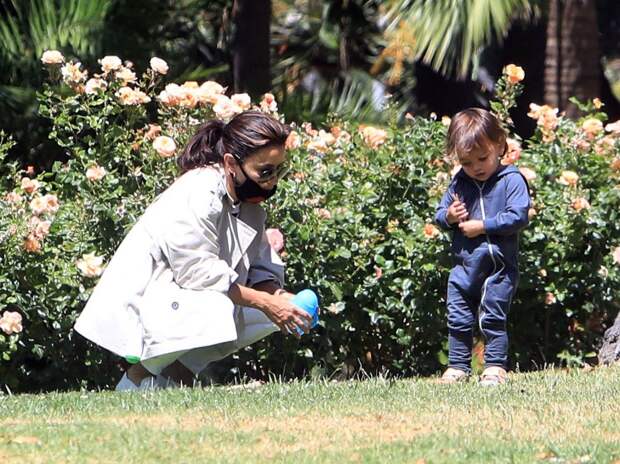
pixel 572 63
pixel 610 351
pixel 250 46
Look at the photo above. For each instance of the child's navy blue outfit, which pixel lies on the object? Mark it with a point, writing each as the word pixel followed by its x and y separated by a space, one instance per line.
pixel 485 272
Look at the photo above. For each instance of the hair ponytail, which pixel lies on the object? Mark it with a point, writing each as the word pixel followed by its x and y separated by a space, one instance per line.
pixel 204 148
pixel 246 133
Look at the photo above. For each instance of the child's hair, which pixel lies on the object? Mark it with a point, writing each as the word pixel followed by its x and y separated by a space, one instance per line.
pixel 474 128
pixel 242 136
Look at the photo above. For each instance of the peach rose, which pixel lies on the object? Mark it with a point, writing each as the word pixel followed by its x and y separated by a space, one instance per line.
pixel 598 104
pixel 307 127
pixel 323 213
pixel 582 145
pixel 605 145
pixel 209 91
pixel 569 178
pixel 90 265
pixel 95 85
pixel 45 204
pixel 125 75
pixel 52 57
pixel 446 120
pixel 292 141
pixel 528 173
pixel 158 65
pixel 131 97
pixel 275 239
pixel 38 205
pixel 615 164
pixel 72 74
pixel 268 104
pixel 546 118
pixel 95 173
pixel 430 231
pixel 11 322
pixel 171 95
pixel 165 146
pixel 110 63
pixel 242 100
pixel 39 229
pixel 225 108
pixel 580 203
pixel 592 127
pixel 327 137
pixel 13 198
pixel 378 272
pixel 30 185
pixel 514 74
pixel 616 255
pixel 317 145
pixel 31 244
pixel 153 131
pixel 513 153
pixel 372 136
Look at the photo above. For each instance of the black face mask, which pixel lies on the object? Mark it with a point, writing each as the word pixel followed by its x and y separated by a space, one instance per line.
pixel 250 191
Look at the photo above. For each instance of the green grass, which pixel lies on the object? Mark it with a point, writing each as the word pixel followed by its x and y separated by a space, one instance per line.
pixel 552 416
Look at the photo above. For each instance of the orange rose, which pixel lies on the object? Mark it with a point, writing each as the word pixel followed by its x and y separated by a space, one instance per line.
pixel 372 136
pixel 514 74
pixel 580 203
pixel 569 178
pixel 430 231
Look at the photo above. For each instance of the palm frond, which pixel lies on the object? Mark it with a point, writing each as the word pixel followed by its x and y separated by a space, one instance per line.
pixel 450 33
pixel 32 26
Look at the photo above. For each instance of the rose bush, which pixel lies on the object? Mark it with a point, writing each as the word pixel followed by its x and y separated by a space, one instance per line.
pixel 353 221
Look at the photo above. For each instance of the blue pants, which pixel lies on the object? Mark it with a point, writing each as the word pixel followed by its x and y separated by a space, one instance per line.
pixel 487 295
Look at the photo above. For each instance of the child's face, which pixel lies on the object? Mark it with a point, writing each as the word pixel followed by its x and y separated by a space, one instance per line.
pixel 481 162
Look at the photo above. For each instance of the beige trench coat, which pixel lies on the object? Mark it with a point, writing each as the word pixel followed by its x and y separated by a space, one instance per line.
pixel 165 289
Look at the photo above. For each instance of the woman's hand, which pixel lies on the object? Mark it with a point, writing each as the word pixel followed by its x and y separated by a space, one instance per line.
pixel 287 316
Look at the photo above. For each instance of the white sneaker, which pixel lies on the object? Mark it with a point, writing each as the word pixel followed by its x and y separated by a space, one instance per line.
pixel 148 383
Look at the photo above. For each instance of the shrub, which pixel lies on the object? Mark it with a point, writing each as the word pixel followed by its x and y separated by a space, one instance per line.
pixel 356 213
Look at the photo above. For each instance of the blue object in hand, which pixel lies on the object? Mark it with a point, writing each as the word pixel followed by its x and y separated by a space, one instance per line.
pixel 309 302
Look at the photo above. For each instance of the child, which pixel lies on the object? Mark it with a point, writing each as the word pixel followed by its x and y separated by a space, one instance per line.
pixel 485 206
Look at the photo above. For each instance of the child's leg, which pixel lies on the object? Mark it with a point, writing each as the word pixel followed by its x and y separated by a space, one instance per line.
pixel 460 324
pixel 494 310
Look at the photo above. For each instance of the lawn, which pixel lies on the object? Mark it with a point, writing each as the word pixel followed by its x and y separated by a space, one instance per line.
pixel 551 416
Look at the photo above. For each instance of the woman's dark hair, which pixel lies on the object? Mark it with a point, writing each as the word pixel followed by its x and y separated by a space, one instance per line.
pixel 242 136
pixel 474 128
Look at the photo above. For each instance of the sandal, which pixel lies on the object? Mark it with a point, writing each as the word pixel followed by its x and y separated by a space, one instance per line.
pixel 493 376
pixel 452 375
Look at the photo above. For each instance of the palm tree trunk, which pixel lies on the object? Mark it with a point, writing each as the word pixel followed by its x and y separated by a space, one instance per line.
pixel 572 62
pixel 250 46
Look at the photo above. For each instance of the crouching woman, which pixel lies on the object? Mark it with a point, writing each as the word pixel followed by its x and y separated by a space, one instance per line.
pixel 195 279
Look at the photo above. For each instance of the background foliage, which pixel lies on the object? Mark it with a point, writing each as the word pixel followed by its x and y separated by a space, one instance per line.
pixel 356 213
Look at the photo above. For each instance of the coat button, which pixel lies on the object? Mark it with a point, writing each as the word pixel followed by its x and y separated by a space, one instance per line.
pixel 175 305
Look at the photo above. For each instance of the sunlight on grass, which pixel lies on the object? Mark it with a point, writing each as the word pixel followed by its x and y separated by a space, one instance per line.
pixel 552 416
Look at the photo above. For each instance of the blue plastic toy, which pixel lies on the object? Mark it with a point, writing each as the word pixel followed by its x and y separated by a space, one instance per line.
pixel 309 302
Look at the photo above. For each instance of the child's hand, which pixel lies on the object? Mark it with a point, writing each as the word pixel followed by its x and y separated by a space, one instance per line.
pixel 456 211
pixel 472 228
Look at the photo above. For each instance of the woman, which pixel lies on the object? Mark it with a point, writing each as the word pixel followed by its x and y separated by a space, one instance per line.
pixel 195 279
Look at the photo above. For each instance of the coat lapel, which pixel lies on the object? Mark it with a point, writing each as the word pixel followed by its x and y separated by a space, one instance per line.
pixel 241 237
